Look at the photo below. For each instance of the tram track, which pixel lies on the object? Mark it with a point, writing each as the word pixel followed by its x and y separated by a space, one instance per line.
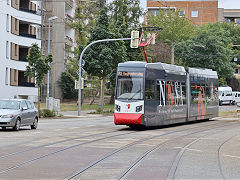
pixel 55 152
pixel 175 164
pixel 53 143
pixel 76 174
pixel 67 148
pixel 219 162
pixel 173 169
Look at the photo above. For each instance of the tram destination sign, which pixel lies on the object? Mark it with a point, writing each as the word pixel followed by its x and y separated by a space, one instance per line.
pixel 130 74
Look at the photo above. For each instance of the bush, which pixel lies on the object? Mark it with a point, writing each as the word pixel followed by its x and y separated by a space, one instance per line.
pixel 46 113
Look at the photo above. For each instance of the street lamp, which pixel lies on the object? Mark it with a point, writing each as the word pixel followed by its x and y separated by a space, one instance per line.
pixel 49 22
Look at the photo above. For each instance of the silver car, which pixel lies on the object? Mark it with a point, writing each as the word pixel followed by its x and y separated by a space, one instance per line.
pixel 18 112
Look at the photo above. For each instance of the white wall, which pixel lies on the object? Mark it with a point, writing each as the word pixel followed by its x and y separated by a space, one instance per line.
pixel 7 91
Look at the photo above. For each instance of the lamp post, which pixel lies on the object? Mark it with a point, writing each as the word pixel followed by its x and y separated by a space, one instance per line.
pixel 48 77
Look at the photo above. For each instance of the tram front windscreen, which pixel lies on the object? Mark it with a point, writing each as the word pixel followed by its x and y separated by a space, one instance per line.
pixel 130 85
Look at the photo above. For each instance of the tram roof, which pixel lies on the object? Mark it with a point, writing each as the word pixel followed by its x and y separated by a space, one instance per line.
pixel 169 68
pixel 203 72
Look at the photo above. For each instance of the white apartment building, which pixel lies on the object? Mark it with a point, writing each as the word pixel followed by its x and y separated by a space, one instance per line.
pixel 20 28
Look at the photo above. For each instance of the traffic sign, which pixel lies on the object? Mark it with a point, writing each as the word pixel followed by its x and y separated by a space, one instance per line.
pixel 77 84
pixel 134 39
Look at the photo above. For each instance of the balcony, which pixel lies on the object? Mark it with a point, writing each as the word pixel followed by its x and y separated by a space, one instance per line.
pixel 27 6
pixel 27 35
pixel 26 84
pixel 23 59
pixel 24 81
pixel 28 10
pixel 23 52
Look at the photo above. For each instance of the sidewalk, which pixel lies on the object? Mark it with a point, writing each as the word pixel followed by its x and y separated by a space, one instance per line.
pixel 82 114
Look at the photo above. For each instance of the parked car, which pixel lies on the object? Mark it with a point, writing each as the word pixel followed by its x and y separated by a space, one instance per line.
pixel 236 97
pixel 18 112
pixel 225 95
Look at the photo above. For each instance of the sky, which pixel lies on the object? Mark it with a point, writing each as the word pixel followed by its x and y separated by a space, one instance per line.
pixel 227 4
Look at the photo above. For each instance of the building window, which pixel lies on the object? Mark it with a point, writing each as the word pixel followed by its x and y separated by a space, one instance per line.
pixel 7 49
pixel 6 76
pixel 181 13
pixel 237 21
pixel 7 23
pixel 236 71
pixel 155 12
pixel 15 50
pixel 194 13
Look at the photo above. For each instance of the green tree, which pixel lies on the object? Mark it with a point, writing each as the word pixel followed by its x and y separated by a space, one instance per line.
pixel 66 84
pixel 174 28
pixel 210 48
pixel 101 58
pixel 125 16
pixel 37 67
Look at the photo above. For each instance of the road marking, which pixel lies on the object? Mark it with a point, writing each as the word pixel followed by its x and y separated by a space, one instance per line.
pixel 238 157
pixel 73 128
pixel 188 149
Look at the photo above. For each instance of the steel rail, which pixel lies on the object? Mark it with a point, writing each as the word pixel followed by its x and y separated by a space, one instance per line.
pixel 123 148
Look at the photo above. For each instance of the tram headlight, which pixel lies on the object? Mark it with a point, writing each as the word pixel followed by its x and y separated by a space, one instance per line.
pixel 139 108
pixel 118 108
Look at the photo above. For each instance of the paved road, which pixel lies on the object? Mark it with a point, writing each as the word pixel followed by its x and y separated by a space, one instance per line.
pixel 94 148
pixel 228 108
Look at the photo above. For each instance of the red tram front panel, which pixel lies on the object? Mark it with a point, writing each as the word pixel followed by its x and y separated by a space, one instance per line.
pixel 128 112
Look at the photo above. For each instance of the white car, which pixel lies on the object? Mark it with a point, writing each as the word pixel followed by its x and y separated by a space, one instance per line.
pixel 18 112
pixel 236 97
pixel 225 95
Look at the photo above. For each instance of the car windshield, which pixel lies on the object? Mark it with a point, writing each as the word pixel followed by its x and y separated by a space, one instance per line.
pixel 228 93
pixel 130 85
pixel 8 104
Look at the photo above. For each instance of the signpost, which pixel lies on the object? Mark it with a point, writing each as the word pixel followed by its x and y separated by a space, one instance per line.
pixel 81 63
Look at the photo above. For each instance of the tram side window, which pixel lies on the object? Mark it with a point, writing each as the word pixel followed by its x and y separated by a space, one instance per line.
pixel 195 92
pixel 149 89
pixel 208 93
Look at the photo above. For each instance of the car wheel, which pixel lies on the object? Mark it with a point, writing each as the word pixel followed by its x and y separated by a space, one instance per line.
pixel 17 125
pixel 220 103
pixel 35 123
pixel 4 128
pixel 233 102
